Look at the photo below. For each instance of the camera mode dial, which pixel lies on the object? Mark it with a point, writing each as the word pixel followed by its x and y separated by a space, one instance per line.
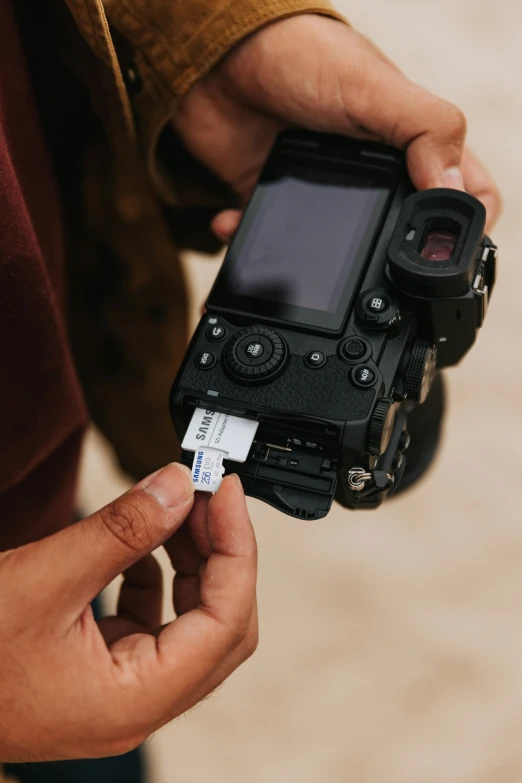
pixel 255 353
pixel 420 371
pixel 381 427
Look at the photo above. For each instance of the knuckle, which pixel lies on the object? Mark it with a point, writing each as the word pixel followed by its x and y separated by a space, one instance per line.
pixel 123 745
pixel 498 200
pixel 120 739
pixel 251 643
pixel 236 638
pixel 454 121
pixel 128 524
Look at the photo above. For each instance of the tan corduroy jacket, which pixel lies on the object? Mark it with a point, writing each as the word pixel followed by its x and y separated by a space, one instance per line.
pixel 142 199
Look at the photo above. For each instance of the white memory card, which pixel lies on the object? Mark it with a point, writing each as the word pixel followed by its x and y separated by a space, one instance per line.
pixel 208 469
pixel 230 434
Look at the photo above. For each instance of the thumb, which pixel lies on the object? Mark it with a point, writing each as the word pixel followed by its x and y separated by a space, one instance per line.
pixel 75 565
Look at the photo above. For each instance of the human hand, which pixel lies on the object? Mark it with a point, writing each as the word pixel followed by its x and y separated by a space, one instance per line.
pixel 320 74
pixel 73 688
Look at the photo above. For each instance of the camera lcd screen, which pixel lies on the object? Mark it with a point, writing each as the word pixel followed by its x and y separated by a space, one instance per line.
pixel 303 243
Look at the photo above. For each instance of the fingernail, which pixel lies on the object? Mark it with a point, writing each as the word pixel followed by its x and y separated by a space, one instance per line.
pixel 236 479
pixel 146 481
pixel 172 485
pixel 452 178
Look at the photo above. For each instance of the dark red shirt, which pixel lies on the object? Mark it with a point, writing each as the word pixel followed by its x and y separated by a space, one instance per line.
pixel 42 414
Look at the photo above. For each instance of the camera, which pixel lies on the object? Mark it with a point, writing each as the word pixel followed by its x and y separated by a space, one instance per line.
pixel 342 295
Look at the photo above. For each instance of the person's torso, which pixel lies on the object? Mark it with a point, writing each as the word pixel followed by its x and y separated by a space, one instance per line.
pixel 41 408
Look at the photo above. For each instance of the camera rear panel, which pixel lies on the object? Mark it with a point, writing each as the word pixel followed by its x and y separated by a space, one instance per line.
pixel 314 376
pixel 314 409
pixel 329 355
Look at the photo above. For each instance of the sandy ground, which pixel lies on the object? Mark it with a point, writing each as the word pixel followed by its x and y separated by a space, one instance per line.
pixel 391 643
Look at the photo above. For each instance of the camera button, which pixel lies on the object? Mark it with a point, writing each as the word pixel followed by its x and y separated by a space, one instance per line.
pixel 216 333
pixel 205 360
pixel 377 310
pixel 363 376
pixel 254 354
pixel 254 350
pixel 315 359
pixel 354 349
pixel 377 304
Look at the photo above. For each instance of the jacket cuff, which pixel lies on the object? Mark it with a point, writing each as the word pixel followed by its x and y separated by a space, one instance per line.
pixel 180 41
pixel 235 22
pixel 166 46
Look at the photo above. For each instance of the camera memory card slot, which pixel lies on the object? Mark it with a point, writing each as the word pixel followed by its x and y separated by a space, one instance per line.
pixel 300 479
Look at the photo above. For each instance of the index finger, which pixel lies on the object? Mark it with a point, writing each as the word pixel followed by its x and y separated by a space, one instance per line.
pixel 479 183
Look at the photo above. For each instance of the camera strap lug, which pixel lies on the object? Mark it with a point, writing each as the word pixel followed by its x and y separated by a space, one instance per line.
pixel 480 287
pixel 358 478
pixel 481 291
pixel 369 482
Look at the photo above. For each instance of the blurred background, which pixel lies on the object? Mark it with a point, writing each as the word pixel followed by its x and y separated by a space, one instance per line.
pixel 391 642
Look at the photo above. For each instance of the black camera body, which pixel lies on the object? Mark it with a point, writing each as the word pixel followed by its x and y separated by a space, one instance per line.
pixel 342 295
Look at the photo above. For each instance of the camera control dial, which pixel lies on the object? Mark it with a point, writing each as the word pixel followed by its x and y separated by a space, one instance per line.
pixel 381 427
pixel 254 353
pixel 420 371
